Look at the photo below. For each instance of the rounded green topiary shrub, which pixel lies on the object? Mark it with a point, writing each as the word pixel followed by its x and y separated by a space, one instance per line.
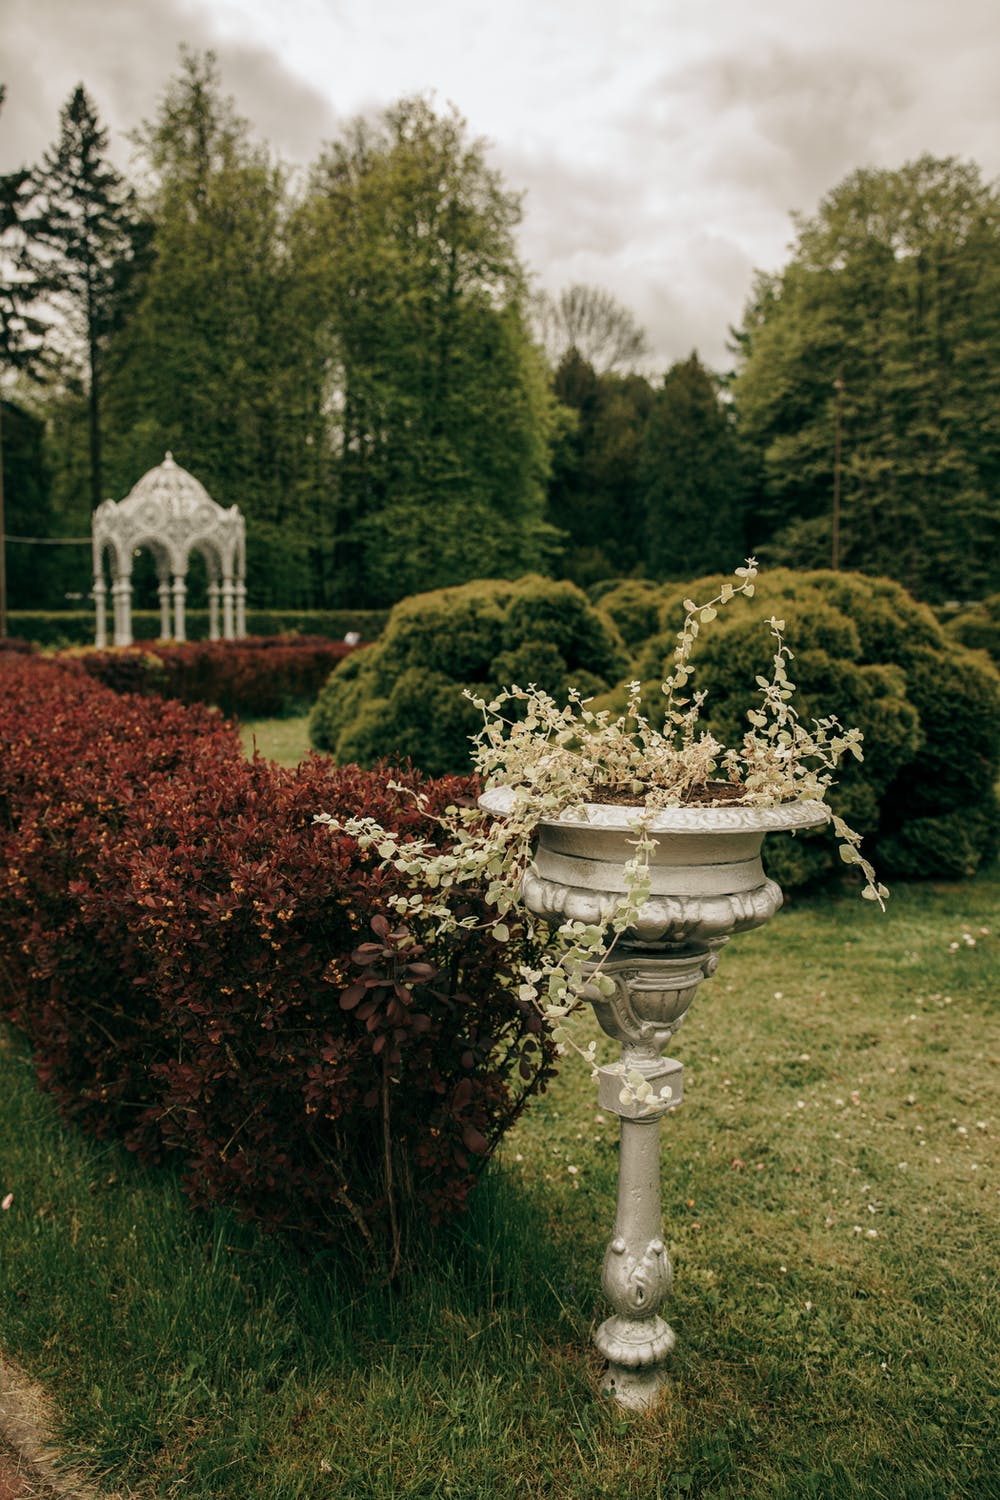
pixel 924 797
pixel 402 696
pixel 978 627
pixel 634 604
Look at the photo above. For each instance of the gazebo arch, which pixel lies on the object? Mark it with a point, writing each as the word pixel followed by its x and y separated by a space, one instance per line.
pixel 173 515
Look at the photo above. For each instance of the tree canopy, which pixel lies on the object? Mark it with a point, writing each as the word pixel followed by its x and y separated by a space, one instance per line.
pixel 354 356
pixel 440 410
pixel 893 289
pixel 84 233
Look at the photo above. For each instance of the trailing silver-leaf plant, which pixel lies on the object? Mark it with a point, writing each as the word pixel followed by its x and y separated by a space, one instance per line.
pixel 558 758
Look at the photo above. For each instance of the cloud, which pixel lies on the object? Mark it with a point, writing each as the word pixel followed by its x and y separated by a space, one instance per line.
pixel 125 55
pixel 779 124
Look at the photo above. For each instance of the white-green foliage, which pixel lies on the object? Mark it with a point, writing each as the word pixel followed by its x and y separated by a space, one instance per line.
pixel 555 757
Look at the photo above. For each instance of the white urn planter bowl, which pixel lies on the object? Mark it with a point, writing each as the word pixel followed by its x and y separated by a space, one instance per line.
pixel 706 883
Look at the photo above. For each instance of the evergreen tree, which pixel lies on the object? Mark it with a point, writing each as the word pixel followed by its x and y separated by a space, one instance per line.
pixel 692 477
pixel 594 493
pixel 893 291
pixel 22 351
pixel 440 411
pixel 85 234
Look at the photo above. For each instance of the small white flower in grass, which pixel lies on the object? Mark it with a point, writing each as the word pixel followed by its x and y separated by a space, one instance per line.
pixel 6 1202
pixel 871 1234
pixel 572 1171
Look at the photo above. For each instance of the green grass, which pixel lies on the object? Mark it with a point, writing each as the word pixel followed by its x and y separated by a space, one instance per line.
pixel 283 740
pixel 831 1199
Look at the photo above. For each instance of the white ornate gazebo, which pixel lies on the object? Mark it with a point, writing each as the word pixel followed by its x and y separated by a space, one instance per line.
pixel 173 515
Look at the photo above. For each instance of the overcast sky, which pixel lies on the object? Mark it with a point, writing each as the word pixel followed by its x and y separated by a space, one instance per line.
pixel 661 144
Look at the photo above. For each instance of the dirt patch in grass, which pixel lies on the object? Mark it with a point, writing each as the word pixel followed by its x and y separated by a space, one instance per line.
pixel 30 1468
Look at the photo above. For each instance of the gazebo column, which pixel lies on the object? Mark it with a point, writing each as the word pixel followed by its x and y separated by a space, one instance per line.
pixel 228 591
pixel 213 609
pixel 179 593
pixel 100 610
pixel 163 591
pixel 241 609
pixel 121 591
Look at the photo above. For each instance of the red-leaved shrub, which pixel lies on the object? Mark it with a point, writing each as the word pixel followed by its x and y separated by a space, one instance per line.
pixel 260 676
pixel 204 970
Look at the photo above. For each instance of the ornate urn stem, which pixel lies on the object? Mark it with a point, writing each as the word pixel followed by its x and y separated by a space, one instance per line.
pixel 653 990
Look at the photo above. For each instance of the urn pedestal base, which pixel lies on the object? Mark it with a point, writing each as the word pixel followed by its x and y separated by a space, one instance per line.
pixel 653 990
pixel 705 883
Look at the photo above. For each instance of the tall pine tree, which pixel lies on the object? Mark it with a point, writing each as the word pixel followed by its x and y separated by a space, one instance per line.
pixel 22 352
pixel 85 233
pixel 693 477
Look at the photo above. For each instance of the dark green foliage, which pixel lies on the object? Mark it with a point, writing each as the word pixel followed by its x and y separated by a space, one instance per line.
pixel 218 361
pixel 402 696
pixel 76 627
pixel 635 605
pixel 693 477
pixel 864 649
pixel 32 570
pixel 594 490
pixel 893 290
pixel 978 627
pixel 406 255
pixel 87 237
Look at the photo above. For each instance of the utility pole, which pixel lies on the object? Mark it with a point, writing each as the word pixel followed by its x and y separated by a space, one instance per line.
pixel 838 386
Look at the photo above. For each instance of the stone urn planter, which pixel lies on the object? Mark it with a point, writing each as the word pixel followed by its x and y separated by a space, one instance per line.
pixel 706 883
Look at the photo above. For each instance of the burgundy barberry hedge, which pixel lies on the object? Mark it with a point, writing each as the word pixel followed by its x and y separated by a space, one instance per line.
pixel 260 676
pixel 206 972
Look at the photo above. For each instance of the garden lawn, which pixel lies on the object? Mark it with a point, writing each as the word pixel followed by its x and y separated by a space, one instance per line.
pixel 283 740
pixel 831 1197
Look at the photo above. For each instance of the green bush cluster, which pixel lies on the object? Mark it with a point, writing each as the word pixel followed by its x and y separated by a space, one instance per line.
pixel 924 796
pixel 402 696
pixel 635 605
pixel 75 627
pixel 978 627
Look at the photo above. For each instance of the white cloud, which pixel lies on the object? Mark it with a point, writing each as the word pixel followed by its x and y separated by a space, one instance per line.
pixel 661 145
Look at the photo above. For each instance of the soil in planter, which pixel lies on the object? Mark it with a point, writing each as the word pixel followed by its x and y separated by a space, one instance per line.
pixel 708 794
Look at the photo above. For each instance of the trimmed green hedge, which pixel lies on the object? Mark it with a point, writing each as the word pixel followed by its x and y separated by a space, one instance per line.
pixel 924 796
pixel 75 627
pixel 978 627
pixel 402 696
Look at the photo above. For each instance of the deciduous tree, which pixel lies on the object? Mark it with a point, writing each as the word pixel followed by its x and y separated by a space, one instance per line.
pixel 893 289
pixel 591 323
pixel 438 400
pixel 218 361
